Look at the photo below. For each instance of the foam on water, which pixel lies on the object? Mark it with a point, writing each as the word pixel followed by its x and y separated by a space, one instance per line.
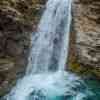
pixel 50 86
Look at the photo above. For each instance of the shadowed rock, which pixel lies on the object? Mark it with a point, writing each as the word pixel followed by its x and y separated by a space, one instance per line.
pixel 18 18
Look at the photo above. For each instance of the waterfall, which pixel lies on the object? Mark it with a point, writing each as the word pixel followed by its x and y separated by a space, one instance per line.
pixel 50 43
pixel 45 78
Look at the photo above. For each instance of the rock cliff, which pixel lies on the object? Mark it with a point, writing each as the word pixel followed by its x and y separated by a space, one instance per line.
pixel 85 56
pixel 18 18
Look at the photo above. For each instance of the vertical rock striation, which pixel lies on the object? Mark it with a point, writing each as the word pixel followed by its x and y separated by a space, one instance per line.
pixel 86 19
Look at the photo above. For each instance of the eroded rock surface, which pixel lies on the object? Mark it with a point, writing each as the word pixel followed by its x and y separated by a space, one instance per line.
pixel 18 18
pixel 86 19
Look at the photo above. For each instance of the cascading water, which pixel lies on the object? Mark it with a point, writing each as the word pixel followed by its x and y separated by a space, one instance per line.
pixel 45 77
pixel 50 45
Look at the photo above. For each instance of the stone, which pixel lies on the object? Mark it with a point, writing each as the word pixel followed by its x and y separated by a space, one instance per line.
pixel 86 30
pixel 6 64
pixel 18 19
pixel 13 49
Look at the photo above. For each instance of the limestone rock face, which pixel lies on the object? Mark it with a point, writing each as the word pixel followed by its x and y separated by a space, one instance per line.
pixel 86 19
pixel 18 19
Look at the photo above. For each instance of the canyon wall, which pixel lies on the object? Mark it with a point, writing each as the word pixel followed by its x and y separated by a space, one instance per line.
pixel 18 19
pixel 85 37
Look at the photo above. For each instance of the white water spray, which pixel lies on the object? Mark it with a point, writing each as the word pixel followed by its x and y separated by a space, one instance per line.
pixel 50 49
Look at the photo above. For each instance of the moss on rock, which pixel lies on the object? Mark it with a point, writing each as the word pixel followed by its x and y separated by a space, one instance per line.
pixel 84 70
